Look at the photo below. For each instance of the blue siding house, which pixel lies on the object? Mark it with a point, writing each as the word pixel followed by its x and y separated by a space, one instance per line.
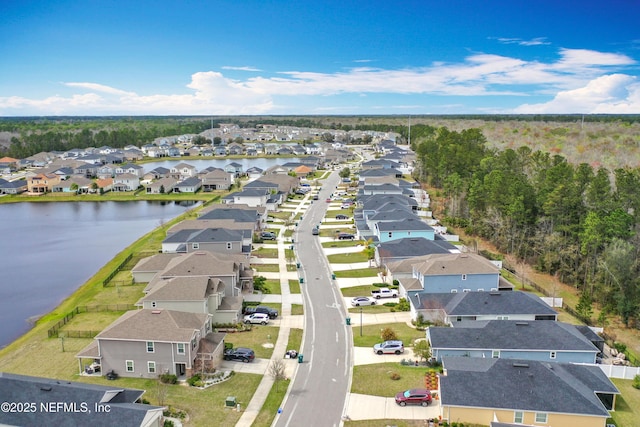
pixel 542 340
pixel 462 272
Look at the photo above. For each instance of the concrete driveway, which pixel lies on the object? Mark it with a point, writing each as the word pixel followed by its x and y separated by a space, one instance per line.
pixel 366 407
pixel 258 366
pixel 366 356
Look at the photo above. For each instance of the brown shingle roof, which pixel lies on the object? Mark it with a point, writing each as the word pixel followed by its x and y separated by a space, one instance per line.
pixel 447 264
pixel 155 325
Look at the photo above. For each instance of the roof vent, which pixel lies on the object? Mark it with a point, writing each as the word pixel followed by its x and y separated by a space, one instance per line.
pixel 494 293
pixel 156 312
pixel 522 323
pixel 45 388
pixel 520 365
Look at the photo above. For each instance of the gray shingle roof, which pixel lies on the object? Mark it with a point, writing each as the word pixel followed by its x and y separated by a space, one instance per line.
pixel 155 325
pixel 205 235
pixel 405 224
pixel 483 303
pixel 22 388
pixel 547 335
pixel 413 246
pixel 501 383
pixel 448 264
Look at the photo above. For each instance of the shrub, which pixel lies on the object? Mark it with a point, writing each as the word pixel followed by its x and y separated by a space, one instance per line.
pixel 636 382
pixel 388 334
pixel 168 378
pixel 168 423
pixel 403 305
pixel 194 380
pixel 620 347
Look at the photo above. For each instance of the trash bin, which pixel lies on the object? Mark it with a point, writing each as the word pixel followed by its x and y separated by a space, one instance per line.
pixel 230 401
pixel 300 358
pixel 348 321
pixel 302 280
pixel 333 276
pixel 297 264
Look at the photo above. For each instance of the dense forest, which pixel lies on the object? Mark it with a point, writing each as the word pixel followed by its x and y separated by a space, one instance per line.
pixel 574 221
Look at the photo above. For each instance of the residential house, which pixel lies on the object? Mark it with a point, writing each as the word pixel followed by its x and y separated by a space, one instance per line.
pixel 411 247
pixel 254 173
pixel 182 171
pixel 249 197
pixel 237 213
pixel 234 168
pixel 84 404
pixel 136 170
pixel 235 149
pixel 385 189
pixel 481 391
pixel 148 342
pixel 161 186
pixel 13 187
pixel 189 185
pixel 303 171
pixel 75 184
pixel 87 170
pixel 106 171
pixel 410 227
pixel 460 308
pixel 217 240
pixel 104 185
pixel 194 295
pixel 156 173
pixel 217 179
pixel 42 183
pixel 125 182
pixel 463 272
pixel 542 340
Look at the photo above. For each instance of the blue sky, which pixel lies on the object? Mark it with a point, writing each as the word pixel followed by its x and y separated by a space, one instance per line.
pixel 226 57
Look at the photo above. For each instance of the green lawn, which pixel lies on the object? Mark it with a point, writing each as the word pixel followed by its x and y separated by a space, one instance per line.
pixel 297 309
pixel 294 286
pixel 267 268
pixel 295 339
pixel 347 258
pixel 370 309
pixel 627 411
pixel 274 286
pixel 265 253
pixel 376 379
pixel 357 273
pixel 255 339
pixel 341 243
pixel 371 333
pixel 272 404
pixel 356 291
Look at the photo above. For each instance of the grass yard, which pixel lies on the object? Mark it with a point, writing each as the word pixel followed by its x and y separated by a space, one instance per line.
pixel 376 379
pixel 294 286
pixel 295 339
pixel 274 286
pixel 356 291
pixel 627 411
pixel 266 268
pixel 282 215
pixel 265 253
pixel 357 273
pixel 91 321
pixel 348 258
pixel 255 339
pixel 371 334
pixel 270 408
pixel 118 295
pixel 297 309
pixel 369 309
pixel 341 243
pixel 388 422
pixel 204 407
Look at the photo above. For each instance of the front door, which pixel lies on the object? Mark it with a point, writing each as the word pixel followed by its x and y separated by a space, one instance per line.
pixel 181 369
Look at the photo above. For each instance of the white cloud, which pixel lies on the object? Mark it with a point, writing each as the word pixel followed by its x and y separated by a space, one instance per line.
pixel 533 42
pixel 613 94
pixel 228 67
pixel 578 74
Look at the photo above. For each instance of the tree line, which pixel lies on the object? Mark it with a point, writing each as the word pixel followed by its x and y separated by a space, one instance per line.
pixel 577 222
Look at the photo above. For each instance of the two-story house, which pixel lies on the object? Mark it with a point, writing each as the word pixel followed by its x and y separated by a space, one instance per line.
pixel 462 272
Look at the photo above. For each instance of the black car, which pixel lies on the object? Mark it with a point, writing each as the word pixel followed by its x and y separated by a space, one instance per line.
pixel 346 236
pixel 342 216
pixel 267 235
pixel 241 353
pixel 272 312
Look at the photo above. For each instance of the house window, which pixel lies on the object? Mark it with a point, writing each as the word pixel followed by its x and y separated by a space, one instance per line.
pixel 480 289
pixel 454 291
pixel 181 348
pixel 151 367
pixel 466 290
pixel 518 417
pixel 195 245
pixel 464 277
pixel 495 354
pixel 502 317
pixel 390 234
pixel 552 355
pixel 541 417
pixel 150 347
pixel 193 343
pixel 459 319
pixel 153 304
pixel 129 365
pixel 229 245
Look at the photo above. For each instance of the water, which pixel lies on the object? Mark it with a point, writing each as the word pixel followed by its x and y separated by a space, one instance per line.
pixel 51 249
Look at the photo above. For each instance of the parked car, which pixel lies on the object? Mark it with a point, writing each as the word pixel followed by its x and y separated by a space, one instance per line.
pixel 345 206
pixel 384 293
pixel 328 200
pixel 342 216
pixel 301 192
pixel 271 312
pixel 315 231
pixel 260 318
pixel 415 396
pixel 346 236
pixel 268 235
pixel 389 347
pixel 316 197
pixel 241 353
pixel 358 301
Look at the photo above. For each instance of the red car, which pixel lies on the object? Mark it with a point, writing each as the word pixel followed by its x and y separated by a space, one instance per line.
pixel 328 200
pixel 415 396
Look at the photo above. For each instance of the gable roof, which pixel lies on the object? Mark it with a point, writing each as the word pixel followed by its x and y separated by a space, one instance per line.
pixel 155 325
pixel 200 264
pixel 448 264
pixel 206 235
pixel 183 289
pixel 236 214
pixel 414 224
pixel 547 335
pixel 482 303
pixel 123 410
pixel 498 383
pixel 409 247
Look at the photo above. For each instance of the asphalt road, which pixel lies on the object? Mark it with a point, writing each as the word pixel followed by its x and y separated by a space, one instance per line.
pixel 317 395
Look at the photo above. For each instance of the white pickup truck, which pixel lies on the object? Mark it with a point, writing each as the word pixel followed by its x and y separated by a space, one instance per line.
pixel 384 293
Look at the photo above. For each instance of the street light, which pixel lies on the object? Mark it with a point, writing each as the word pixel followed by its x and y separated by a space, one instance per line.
pixel 360 321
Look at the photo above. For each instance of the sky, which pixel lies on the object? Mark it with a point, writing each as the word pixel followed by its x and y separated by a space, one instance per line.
pixel 259 57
